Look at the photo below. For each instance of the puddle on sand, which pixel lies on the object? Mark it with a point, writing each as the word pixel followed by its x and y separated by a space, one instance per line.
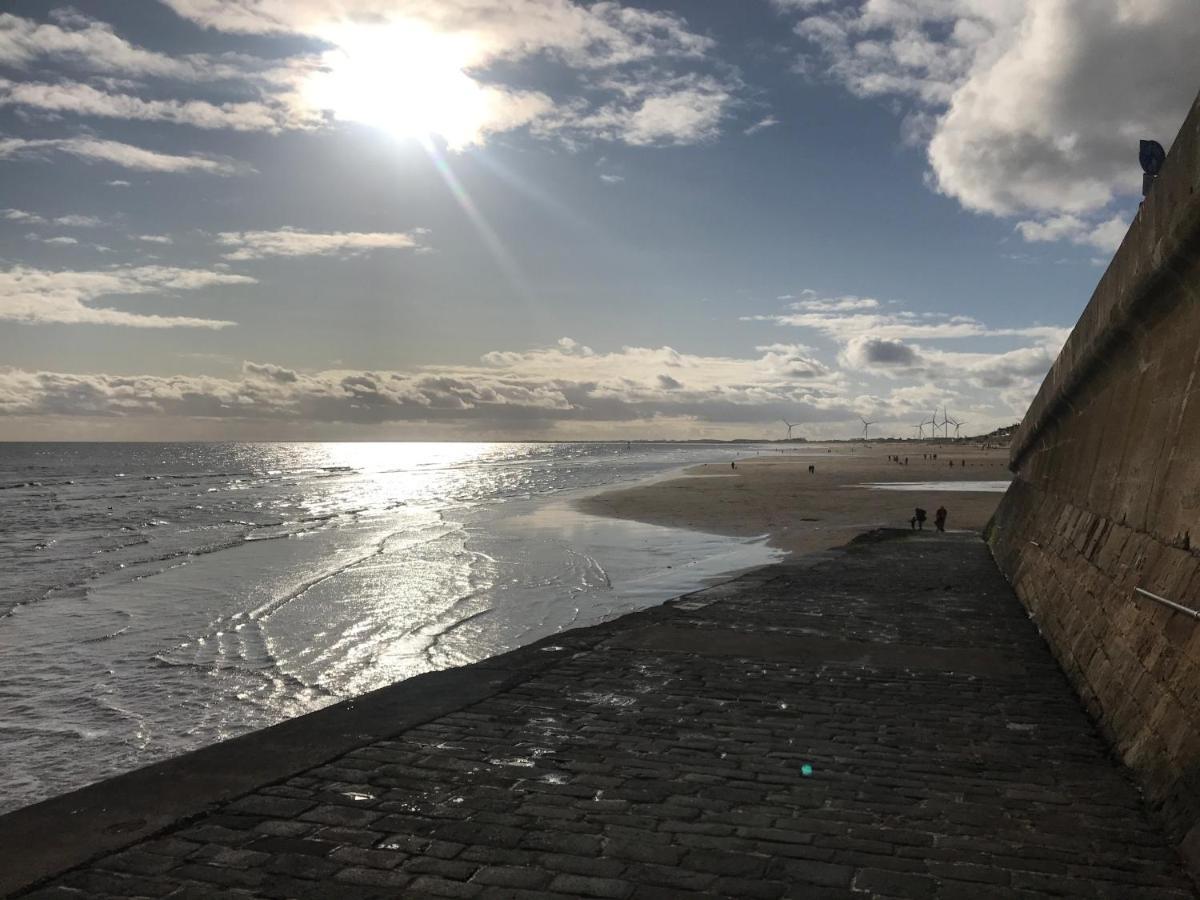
pixel 970 487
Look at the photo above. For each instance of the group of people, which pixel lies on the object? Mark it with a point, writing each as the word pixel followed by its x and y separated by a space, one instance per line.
pixel 918 520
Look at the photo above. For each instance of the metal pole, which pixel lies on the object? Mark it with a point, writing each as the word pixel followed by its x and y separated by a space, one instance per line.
pixel 1171 603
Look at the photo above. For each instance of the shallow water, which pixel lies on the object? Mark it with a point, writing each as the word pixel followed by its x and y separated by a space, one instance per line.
pixel 157 598
pixel 989 487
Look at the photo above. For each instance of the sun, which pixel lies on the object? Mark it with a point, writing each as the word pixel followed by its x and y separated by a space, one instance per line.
pixel 403 78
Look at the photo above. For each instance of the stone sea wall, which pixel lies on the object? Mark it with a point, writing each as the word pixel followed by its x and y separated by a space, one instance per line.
pixel 1106 498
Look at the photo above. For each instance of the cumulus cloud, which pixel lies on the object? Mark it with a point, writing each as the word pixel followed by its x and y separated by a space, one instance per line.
pixel 570 389
pixel 864 352
pixel 127 156
pixel 297 242
pixel 1105 235
pixel 1023 106
pixel 909 352
pixel 564 383
pixel 41 296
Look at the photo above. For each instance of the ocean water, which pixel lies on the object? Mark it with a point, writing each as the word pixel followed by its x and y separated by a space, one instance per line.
pixel 155 598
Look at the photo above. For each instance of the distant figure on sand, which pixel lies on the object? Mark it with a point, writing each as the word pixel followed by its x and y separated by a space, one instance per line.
pixel 918 520
pixel 939 518
pixel 812 470
pixel 733 465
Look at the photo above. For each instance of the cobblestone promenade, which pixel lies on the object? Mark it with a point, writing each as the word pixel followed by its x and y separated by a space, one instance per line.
pixel 879 722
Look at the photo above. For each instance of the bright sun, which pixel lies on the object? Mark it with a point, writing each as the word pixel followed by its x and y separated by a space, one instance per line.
pixel 403 78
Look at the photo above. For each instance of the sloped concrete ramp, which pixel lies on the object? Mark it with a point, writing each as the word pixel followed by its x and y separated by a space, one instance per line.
pixel 882 721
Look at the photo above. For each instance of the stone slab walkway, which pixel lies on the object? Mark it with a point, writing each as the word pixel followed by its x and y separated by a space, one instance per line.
pixel 882 721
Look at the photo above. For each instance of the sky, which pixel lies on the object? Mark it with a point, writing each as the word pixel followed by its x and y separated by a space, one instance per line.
pixel 546 219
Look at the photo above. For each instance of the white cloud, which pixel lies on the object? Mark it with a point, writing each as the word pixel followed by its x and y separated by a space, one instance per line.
pixel 125 155
pixel 82 99
pixel 90 45
pixel 297 242
pixel 71 220
pixel 41 296
pixel 1025 106
pixel 643 82
pixel 611 179
pixel 155 238
pixel 648 111
pixel 645 75
pixel 61 240
pixel 1105 236
pixel 594 35
pixel 74 220
pixel 117 182
pixel 563 389
pixel 765 122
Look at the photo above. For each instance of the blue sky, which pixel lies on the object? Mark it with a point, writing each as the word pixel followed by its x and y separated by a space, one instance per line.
pixel 547 219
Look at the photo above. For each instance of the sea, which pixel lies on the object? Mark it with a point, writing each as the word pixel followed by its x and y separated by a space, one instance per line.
pixel 156 598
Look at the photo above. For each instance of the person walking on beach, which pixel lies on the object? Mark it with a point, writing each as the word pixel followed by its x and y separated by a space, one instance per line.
pixel 812 470
pixel 918 520
pixel 939 518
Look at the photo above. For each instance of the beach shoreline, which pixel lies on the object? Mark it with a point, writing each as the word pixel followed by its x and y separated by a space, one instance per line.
pixel 805 512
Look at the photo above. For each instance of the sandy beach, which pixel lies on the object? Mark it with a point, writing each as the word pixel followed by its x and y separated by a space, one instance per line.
pixel 805 512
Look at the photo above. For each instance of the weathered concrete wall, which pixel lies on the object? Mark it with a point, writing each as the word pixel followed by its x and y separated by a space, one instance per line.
pixel 1107 497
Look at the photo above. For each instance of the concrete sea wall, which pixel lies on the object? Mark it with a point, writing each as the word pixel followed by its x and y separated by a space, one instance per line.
pixel 1106 498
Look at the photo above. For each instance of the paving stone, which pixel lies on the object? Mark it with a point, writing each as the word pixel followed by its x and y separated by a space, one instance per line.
pixel 512 876
pixel 667 762
pixel 588 886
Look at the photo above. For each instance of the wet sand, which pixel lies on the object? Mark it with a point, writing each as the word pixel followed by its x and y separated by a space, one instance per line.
pixel 775 494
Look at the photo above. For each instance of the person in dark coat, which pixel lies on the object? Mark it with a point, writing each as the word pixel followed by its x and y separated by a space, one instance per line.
pixel 939 518
pixel 918 520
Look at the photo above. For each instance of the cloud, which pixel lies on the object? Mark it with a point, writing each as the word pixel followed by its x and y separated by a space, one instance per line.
pixel 61 239
pixel 297 242
pixel 270 372
pixel 1023 106
pixel 156 238
pixel 72 220
pixel 645 75
pixel 846 318
pixel 648 111
pixel 125 155
pixel 569 389
pixel 611 179
pixel 41 296
pixel 761 124
pixel 1105 236
pixel 117 182
pixel 82 99
pixel 566 383
pixel 587 36
pixel 871 352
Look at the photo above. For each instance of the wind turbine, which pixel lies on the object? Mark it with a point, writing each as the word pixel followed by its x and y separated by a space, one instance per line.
pixel 866 425
pixel 957 423
pixel 790 426
pixel 920 426
pixel 945 423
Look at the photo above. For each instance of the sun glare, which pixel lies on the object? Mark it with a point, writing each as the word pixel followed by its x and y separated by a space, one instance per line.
pixel 403 78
